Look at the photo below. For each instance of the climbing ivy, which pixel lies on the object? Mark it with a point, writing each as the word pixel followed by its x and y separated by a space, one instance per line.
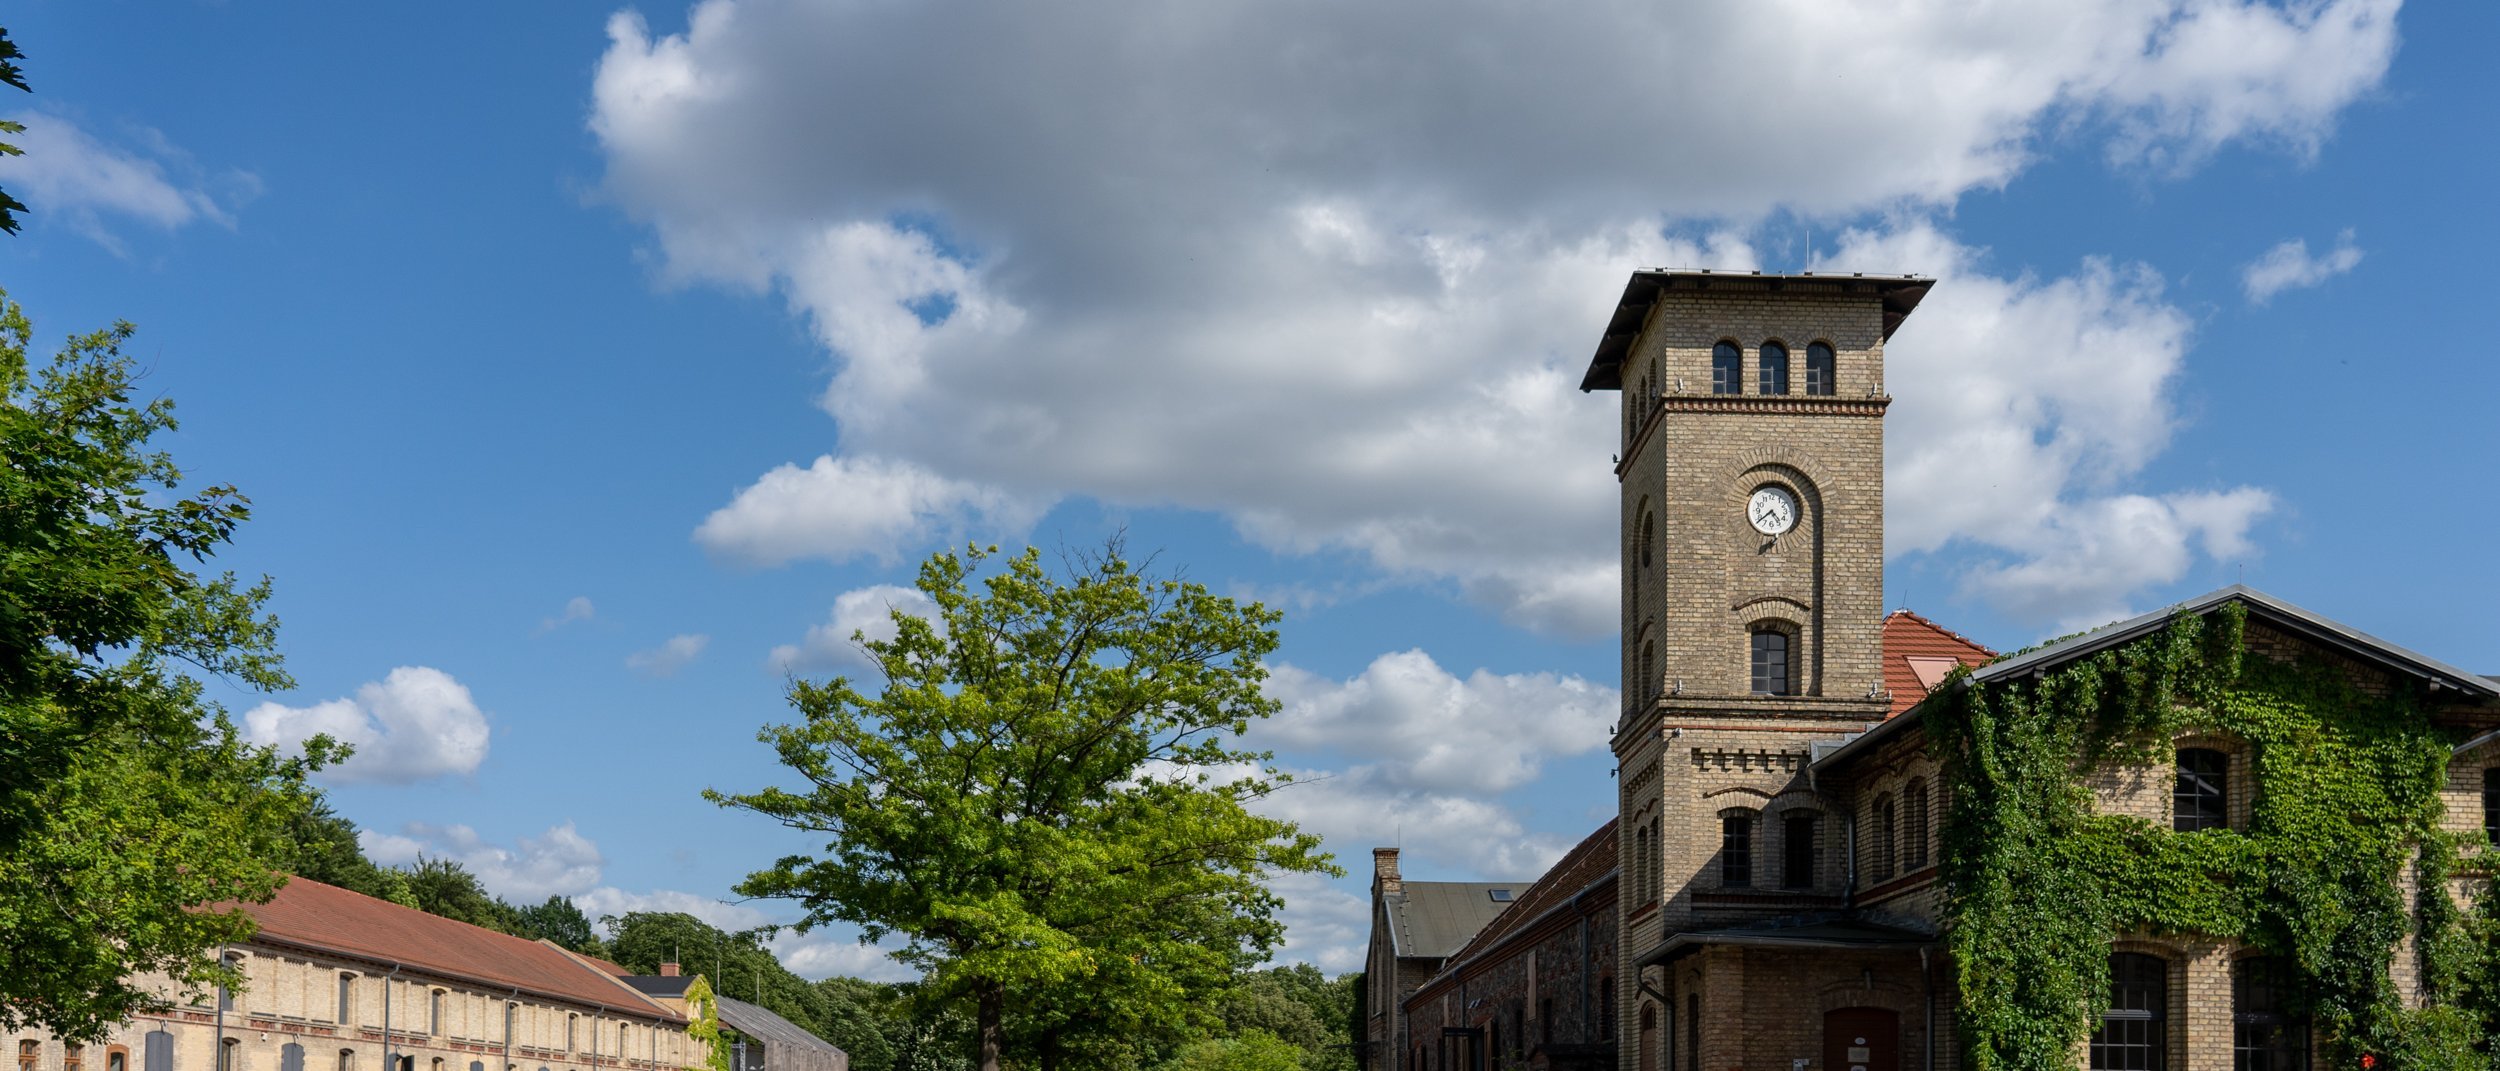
pixel 2346 796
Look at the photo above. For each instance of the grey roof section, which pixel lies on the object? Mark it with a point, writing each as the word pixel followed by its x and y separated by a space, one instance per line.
pixel 1898 293
pixel 1436 918
pixel 761 1024
pixel 659 985
pixel 2273 611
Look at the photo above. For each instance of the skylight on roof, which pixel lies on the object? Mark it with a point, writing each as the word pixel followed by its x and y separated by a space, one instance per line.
pixel 1500 896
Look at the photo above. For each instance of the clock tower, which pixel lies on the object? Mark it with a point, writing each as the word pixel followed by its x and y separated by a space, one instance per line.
pixel 1752 474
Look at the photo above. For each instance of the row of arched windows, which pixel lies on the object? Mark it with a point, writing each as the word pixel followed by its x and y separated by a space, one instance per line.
pixel 1900 841
pixel 1799 847
pixel 2267 1034
pixel 1771 361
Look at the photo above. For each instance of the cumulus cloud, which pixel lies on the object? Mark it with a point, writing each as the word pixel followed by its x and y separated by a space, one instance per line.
pixel 1417 726
pixel 1326 925
pixel 666 659
pixel 2288 266
pixel 1464 832
pixel 1320 271
pixel 88 182
pixel 577 608
pixel 417 723
pixel 559 862
pixel 2022 407
pixel 868 612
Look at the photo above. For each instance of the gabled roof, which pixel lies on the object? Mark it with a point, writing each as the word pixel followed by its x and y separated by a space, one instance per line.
pixel 757 1021
pixel 1432 919
pixel 1919 652
pixel 1899 293
pixel 314 917
pixel 1584 866
pixel 2260 606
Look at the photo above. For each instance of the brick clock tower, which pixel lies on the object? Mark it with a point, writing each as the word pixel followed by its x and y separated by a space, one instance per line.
pixel 1752 473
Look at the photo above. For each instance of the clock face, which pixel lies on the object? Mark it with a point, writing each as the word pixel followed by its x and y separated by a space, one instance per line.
pixel 1773 510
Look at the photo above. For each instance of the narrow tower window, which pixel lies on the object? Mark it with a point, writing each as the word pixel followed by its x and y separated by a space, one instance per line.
pixel 1819 368
pixel 2203 799
pixel 1736 849
pixel 1774 368
pixel 1797 852
pixel 1727 369
pixel 1770 662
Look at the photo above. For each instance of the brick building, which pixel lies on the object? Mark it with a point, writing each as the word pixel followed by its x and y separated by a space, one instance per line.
pixel 1776 903
pixel 339 981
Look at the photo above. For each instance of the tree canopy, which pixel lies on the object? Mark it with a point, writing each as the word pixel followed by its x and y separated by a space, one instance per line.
pixel 131 801
pixel 1047 802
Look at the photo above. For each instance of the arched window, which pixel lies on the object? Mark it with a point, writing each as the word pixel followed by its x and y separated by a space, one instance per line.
pixel 291 1057
pixel 1736 848
pixel 347 996
pixel 1886 830
pixel 230 1055
pixel 2203 799
pixel 1820 367
pixel 1797 850
pixel 1657 859
pixel 1914 825
pixel 1727 369
pixel 1640 865
pixel 2266 1035
pixel 74 1057
pixel 1649 536
pixel 347 1060
pixel 1774 379
pixel 116 1060
pixel 1649 669
pixel 1692 1030
pixel 28 1052
pixel 2491 804
pixel 1771 675
pixel 434 1012
pixel 2130 1037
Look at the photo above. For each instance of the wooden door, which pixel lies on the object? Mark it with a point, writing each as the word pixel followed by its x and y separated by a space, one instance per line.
pixel 1861 1039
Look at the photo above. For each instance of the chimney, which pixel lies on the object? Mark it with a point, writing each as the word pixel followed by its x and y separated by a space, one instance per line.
pixel 668 970
pixel 1385 871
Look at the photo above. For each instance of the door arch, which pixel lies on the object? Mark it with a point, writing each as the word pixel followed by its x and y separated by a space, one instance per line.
pixel 1862 1039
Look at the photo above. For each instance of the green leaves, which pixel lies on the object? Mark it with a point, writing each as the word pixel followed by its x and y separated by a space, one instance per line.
pixel 1045 798
pixel 131 805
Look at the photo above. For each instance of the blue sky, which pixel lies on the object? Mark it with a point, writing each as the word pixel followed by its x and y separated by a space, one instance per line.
pixel 591 367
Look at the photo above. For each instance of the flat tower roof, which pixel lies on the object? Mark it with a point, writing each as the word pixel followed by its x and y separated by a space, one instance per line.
pixel 1899 293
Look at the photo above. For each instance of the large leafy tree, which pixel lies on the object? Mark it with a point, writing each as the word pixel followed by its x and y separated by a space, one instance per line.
pixel 1047 802
pixel 130 803
pixel 11 75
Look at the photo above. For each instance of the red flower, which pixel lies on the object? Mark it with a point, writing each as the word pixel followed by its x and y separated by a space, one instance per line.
pixel 2368 1061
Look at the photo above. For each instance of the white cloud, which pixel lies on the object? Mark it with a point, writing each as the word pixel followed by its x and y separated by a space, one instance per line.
pixel 839 508
pixel 1326 926
pixel 2288 266
pixel 2022 407
pixel 1324 273
pixel 70 174
pixel 608 900
pixel 1419 727
pixel 868 611
pixel 577 608
pixel 559 862
pixel 824 954
pixel 666 659
pixel 414 724
pixel 1466 833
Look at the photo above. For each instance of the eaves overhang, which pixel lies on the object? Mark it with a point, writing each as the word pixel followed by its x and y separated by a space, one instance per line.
pixel 1899 294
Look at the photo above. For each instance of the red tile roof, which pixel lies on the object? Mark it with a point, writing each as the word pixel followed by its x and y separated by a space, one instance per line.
pixel 325 918
pixel 1578 869
pixel 1918 653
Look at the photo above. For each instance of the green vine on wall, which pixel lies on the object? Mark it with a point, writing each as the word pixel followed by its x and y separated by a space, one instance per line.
pixel 2346 790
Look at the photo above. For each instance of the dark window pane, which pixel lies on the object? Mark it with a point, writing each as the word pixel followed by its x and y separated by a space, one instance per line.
pixel 1914 826
pixel 2266 1034
pixel 2491 804
pixel 1884 832
pixel 2203 799
pixel 1736 849
pixel 1819 368
pixel 1774 368
pixel 2130 1036
pixel 1770 662
pixel 1797 852
pixel 1727 369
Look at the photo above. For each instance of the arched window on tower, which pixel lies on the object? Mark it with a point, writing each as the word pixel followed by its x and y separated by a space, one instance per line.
pixel 2131 1035
pixel 1657 859
pixel 1727 369
pixel 1774 379
pixel 1771 662
pixel 1649 670
pixel 1736 848
pixel 1820 368
pixel 2203 798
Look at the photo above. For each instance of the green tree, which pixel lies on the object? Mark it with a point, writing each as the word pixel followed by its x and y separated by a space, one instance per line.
pixel 444 887
pixel 1046 802
pixel 1299 1005
pixel 737 964
pixel 559 921
pixel 11 75
pixel 326 850
pixel 130 801
pixel 1251 1050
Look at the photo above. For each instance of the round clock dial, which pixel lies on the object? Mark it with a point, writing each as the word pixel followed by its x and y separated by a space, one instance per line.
pixel 1773 510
